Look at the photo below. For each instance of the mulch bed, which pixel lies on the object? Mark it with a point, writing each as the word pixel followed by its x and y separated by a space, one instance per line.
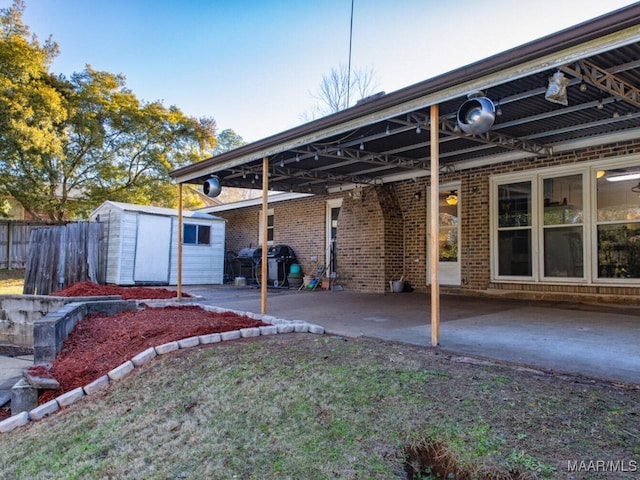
pixel 99 343
pixel 90 289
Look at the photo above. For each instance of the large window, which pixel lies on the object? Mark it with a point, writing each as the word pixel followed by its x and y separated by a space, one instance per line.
pixel 563 226
pixel 514 229
pixel 574 224
pixel 618 223
pixel 196 234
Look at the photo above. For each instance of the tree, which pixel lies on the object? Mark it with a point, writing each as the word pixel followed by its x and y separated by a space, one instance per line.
pixel 68 145
pixel 31 105
pixel 341 89
pixel 120 148
pixel 227 140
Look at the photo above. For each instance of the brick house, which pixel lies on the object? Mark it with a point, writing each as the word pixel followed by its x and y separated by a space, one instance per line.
pixel 544 202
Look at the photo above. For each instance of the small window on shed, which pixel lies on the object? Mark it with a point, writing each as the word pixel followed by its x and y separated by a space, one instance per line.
pixel 196 234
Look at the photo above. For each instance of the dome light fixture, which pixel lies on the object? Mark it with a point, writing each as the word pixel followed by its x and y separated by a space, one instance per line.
pixel 476 115
pixel 212 187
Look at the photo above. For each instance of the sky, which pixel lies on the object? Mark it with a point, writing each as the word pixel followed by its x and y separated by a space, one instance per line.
pixel 254 65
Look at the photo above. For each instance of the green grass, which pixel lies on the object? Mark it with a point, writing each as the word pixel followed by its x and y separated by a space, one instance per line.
pixel 11 281
pixel 301 406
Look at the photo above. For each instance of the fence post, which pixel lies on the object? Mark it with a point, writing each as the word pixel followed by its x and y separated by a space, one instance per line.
pixel 9 242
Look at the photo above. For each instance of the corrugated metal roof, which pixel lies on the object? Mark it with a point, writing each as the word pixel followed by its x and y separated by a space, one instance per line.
pixel 388 138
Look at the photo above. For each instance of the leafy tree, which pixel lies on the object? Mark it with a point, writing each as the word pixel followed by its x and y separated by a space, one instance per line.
pixel 119 148
pixel 66 145
pixel 31 105
pixel 227 140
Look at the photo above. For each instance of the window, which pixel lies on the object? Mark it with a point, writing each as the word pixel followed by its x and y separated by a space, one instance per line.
pixel 270 227
pixel 514 229
pixel 572 224
pixel 196 234
pixel 563 229
pixel 618 223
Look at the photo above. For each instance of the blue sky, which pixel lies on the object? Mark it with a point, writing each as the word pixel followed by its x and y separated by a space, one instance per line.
pixel 253 65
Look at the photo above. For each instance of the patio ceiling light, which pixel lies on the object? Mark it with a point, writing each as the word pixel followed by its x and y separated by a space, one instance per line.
pixel 211 187
pixel 476 115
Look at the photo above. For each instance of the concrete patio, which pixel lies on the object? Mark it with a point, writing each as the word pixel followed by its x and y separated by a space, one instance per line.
pixel 600 341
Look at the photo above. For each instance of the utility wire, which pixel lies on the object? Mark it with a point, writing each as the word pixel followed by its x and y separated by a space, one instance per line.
pixel 349 67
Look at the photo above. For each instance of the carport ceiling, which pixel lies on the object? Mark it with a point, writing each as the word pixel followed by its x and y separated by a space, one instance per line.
pixel 387 137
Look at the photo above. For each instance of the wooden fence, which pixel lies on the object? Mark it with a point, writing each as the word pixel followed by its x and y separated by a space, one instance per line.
pixel 61 255
pixel 14 242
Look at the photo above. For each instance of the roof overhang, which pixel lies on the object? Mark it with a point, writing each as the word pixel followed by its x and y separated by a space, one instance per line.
pixel 387 139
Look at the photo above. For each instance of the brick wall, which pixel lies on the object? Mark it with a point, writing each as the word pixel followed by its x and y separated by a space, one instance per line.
pixel 299 223
pixel 370 239
pixel 382 231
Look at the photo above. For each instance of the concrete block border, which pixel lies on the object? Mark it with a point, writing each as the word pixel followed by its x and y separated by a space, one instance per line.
pixel 276 326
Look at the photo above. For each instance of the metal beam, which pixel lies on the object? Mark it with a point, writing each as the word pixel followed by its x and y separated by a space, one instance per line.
pixel 604 80
pixel 497 139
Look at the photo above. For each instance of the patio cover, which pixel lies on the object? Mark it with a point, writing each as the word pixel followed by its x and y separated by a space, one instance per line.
pixel 413 132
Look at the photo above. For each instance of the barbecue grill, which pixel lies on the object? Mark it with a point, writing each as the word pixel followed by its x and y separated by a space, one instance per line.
pixel 279 259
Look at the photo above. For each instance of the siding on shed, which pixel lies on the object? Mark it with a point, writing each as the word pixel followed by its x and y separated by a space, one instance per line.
pixel 127 248
pixel 201 264
pixel 112 220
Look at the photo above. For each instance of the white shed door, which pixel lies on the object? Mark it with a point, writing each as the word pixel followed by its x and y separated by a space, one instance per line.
pixel 153 249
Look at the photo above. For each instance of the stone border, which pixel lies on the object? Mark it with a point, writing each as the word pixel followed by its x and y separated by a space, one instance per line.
pixel 50 331
pixel 276 326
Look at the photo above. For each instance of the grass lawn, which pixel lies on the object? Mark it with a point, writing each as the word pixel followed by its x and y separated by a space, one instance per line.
pixel 11 281
pixel 302 406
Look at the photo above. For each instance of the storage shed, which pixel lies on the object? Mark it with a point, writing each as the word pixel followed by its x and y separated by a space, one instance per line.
pixel 142 245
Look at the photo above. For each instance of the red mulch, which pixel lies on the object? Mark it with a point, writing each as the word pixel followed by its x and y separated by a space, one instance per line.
pixel 39 371
pixel 99 343
pixel 90 289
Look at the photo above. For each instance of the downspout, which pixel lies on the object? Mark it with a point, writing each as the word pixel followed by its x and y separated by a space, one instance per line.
pixel 434 226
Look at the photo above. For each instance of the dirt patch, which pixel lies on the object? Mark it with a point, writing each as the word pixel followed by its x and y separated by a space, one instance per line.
pixel 90 289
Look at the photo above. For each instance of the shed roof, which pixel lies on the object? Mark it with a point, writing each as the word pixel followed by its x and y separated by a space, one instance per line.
pixel 387 138
pixel 167 212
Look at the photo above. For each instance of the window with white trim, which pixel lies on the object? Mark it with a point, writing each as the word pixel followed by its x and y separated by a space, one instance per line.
pixel 579 223
pixel 194 234
pixel 270 227
pixel 563 226
pixel 618 223
pixel 515 229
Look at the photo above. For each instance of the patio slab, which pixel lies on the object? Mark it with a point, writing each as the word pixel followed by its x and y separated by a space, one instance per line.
pixel 600 341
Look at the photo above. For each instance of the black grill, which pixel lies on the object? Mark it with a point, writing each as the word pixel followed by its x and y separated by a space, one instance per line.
pixel 279 259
